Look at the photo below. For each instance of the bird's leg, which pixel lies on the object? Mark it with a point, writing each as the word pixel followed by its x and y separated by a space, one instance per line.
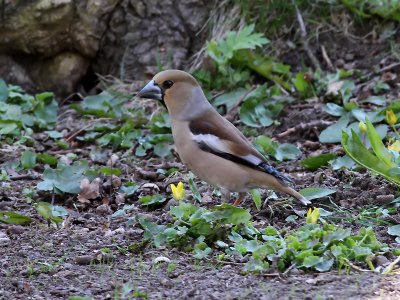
pixel 239 199
pixel 226 195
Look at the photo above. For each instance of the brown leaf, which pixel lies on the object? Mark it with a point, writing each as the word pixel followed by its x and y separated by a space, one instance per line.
pixel 89 190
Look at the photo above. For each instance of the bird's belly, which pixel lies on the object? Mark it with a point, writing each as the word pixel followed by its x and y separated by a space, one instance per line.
pixel 215 170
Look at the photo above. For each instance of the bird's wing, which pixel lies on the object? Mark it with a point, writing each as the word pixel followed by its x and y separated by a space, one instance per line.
pixel 216 135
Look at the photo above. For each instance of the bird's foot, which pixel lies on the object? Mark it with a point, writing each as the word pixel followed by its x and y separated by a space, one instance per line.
pixel 240 198
pixel 237 202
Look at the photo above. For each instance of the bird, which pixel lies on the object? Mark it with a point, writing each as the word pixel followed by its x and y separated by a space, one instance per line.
pixel 208 144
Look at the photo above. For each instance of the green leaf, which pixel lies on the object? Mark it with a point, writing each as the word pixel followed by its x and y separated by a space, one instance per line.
pixel 232 214
pixel 255 194
pixel 334 109
pixel 46 211
pixel 379 148
pixel 10 217
pixel 193 188
pixel 46 158
pixel 332 134
pixel 67 179
pixel 357 151
pixel 343 162
pixel 3 91
pixel 152 199
pixel 394 230
pixel 129 188
pixel 266 143
pixel 361 252
pixel 162 149
pixel 201 250
pixel 302 86
pixel 314 193
pixel 314 162
pixel 110 171
pixel 311 261
pixel 287 152
pixel 256 265
pixel 54 134
pixel 28 160
pixel 255 114
pixel 325 265
pixel 231 99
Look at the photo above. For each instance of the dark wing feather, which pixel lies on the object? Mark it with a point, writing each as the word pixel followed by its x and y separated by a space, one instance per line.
pixel 219 137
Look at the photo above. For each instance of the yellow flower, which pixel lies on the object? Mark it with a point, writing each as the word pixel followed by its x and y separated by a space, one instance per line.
pixel 391 117
pixel 177 191
pixel 395 146
pixel 313 215
pixel 362 126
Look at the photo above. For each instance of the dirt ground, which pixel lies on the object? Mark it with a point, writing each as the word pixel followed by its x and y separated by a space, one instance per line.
pixel 86 254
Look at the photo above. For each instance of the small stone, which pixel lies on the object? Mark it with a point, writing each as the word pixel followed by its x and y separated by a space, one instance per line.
pixel 120 198
pixel 15 229
pixel 294 271
pixel 349 57
pixel 166 282
pixel 381 260
pixel 84 260
pixel 170 203
pixel 384 199
pixel 4 239
pixel 340 62
pixel 104 209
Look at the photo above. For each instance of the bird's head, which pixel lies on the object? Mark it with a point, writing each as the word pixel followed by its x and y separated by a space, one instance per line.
pixel 178 91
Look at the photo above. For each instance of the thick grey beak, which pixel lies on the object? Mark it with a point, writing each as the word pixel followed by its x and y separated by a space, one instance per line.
pixel 151 91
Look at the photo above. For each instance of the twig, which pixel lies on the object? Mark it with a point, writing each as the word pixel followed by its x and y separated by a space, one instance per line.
pixel 90 124
pixel 25 177
pixel 327 59
pixel 357 268
pixel 389 67
pixel 304 40
pixel 390 267
pixel 288 269
pixel 217 95
pixel 303 127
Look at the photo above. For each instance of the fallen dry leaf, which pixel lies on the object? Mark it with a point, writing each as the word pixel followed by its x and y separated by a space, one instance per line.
pixel 89 190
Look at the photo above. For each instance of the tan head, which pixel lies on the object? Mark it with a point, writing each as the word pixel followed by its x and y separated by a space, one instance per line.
pixel 178 91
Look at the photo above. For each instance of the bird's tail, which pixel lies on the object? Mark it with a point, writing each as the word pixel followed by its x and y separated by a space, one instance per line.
pixel 274 172
pixel 280 183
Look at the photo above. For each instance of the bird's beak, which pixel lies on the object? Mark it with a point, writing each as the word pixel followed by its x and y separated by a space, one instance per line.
pixel 151 91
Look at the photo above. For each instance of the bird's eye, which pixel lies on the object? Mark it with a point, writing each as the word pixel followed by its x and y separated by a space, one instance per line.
pixel 167 84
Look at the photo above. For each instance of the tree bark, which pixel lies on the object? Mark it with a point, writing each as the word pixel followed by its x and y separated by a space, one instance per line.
pixel 54 44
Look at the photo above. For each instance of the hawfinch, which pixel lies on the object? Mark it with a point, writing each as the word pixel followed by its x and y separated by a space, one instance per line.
pixel 212 147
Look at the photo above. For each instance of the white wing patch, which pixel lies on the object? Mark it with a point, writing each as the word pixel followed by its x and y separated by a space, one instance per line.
pixel 212 141
pixel 219 145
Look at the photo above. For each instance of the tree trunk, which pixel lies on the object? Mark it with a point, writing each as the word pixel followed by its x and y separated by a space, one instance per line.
pixel 54 44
